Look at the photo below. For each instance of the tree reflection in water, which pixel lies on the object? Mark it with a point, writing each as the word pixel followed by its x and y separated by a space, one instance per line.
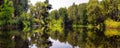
pixel 74 37
pixel 87 38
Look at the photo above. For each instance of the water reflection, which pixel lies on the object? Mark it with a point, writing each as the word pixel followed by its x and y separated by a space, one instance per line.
pixel 40 37
pixel 58 44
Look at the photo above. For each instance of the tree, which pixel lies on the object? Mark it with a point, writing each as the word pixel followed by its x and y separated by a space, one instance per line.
pixel 91 11
pixel 20 6
pixel 63 14
pixel 6 12
pixel 54 15
pixel 72 13
pixel 111 9
pixel 82 17
pixel 40 12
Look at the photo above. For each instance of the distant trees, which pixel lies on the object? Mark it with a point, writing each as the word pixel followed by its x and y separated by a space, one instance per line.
pixel 82 14
pixel 15 12
pixel 40 12
pixel 74 15
pixel 72 12
pixel 54 15
pixel 111 8
pixel 64 16
pixel 94 12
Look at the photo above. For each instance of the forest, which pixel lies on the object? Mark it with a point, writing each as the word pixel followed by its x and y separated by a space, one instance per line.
pixel 91 19
pixel 95 13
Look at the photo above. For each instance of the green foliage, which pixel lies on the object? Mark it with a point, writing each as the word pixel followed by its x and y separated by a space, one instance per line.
pixel 72 12
pixel 55 22
pixel 111 9
pixel 25 17
pixel 6 12
pixel 111 32
pixel 112 24
pixel 40 12
pixel 20 6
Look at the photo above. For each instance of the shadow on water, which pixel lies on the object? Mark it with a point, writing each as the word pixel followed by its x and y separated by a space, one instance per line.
pixel 67 37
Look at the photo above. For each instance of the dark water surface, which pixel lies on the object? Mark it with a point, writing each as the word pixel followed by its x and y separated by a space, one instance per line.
pixel 60 38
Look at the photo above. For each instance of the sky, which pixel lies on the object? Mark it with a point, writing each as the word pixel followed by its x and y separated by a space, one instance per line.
pixel 56 4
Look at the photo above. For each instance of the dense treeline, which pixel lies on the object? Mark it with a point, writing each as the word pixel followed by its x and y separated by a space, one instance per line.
pixel 11 11
pixel 91 18
pixel 93 13
pixel 18 13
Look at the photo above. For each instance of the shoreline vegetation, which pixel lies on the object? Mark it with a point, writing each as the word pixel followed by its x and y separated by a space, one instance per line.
pixel 13 13
pixel 95 24
pixel 94 14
